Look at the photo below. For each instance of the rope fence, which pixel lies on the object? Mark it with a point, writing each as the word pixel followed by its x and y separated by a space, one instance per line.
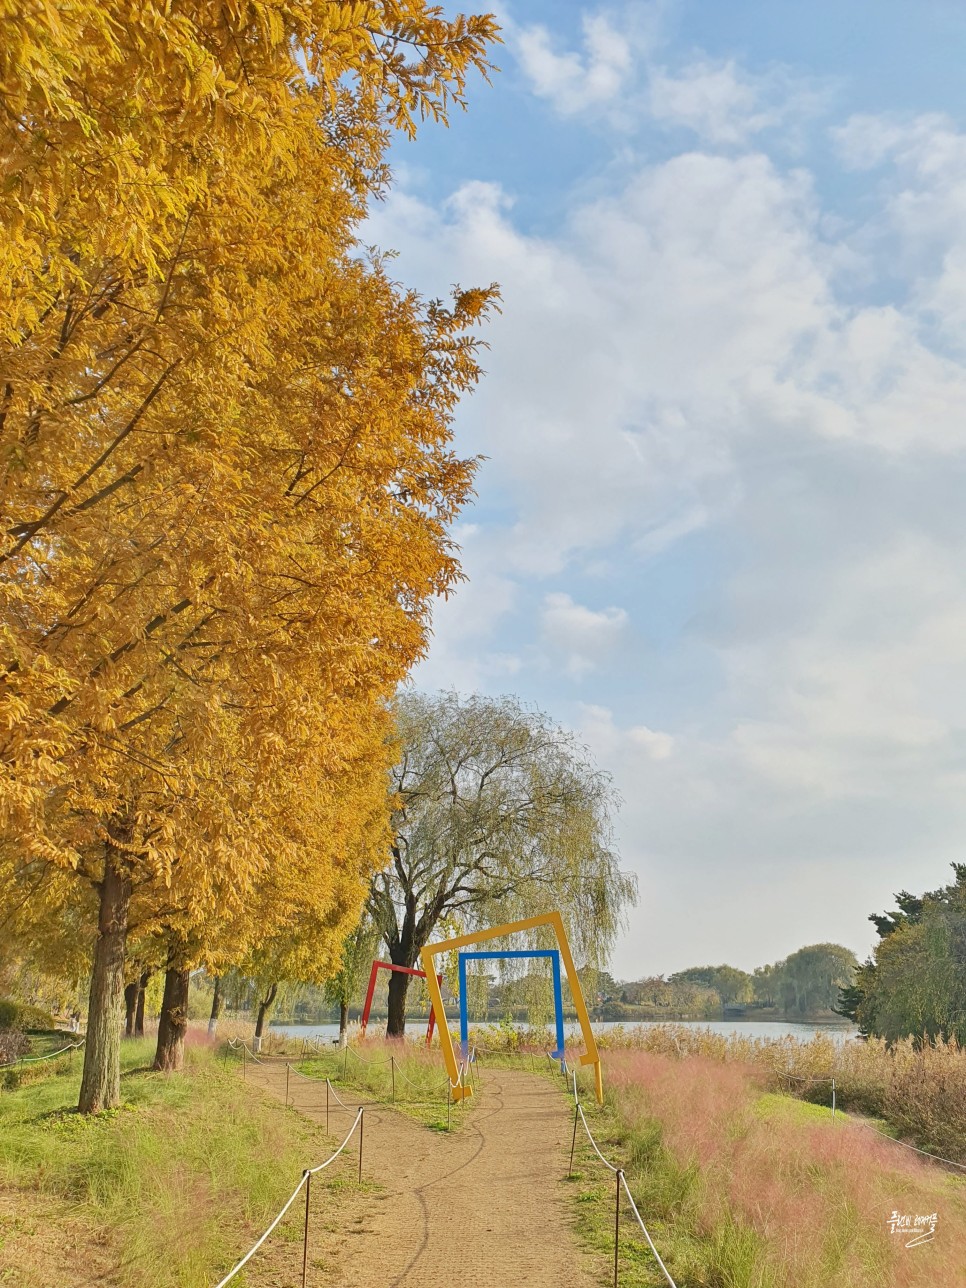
pixel 861 1122
pixel 905 1145
pixel 305 1183
pixel 784 1073
pixel 464 1070
pixel 36 1059
pixel 619 1178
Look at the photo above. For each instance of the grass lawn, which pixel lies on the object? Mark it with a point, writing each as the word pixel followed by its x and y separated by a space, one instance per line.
pixel 167 1191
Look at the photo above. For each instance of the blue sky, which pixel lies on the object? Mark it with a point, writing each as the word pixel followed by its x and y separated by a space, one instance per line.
pixel 720 529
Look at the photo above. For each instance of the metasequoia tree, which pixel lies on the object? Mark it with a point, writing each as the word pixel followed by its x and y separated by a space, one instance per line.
pixel 332 833
pixel 46 931
pixel 225 474
pixel 498 815
pixel 322 834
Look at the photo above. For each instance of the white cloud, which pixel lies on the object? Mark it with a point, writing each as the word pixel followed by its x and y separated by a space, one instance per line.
pixel 573 81
pixel 681 360
pixel 615 75
pixel 614 744
pixel 867 140
pixel 711 99
pixel 581 635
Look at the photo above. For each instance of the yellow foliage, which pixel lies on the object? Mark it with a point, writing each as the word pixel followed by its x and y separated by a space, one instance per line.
pixel 225 463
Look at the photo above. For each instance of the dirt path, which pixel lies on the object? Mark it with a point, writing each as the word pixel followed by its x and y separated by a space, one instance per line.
pixel 487 1202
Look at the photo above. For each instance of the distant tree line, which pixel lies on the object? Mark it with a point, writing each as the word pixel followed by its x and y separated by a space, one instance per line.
pixel 808 982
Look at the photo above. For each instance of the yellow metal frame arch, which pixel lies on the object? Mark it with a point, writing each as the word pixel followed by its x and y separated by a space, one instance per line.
pixel 555 921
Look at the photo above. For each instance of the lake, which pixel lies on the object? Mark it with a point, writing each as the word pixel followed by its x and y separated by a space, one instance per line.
pixel 747 1028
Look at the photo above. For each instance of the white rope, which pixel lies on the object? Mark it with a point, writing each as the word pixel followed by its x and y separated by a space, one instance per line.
pixel 594 1143
pixel 35 1059
pixel 406 1077
pixel 239 1045
pixel 925 1152
pixel 310 1171
pixel 619 1172
pixel 251 1252
pixel 494 1051
pixel 352 1051
pixel 399 1074
pixel 878 1130
pixel 322 1166
pixel 309 1077
pixel 650 1241
pixel 336 1094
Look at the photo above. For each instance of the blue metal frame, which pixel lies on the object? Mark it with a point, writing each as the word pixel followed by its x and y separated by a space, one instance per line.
pixel 554 956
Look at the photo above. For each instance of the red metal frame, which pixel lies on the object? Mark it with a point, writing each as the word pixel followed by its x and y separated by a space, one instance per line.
pixel 402 970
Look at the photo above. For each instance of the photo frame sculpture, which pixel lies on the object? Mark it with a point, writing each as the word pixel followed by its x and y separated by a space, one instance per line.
pixel 402 970
pixel 554 920
pixel 552 953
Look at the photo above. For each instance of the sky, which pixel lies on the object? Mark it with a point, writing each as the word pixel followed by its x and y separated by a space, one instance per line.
pixel 720 528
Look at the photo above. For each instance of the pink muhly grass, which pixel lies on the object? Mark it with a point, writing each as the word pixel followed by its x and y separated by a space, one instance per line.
pixel 816 1194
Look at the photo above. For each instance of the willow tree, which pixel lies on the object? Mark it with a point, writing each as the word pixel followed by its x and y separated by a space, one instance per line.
pixel 498 814
pixel 225 472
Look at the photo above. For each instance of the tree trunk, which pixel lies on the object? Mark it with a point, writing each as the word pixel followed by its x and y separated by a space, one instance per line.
pixel 264 1006
pixel 139 1013
pixel 101 1080
pixel 404 949
pixel 130 1006
pixel 398 988
pixel 215 1008
pixel 173 1023
pixel 343 1022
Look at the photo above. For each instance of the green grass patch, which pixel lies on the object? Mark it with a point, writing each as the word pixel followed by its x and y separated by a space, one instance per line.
pixel 179 1180
pixel 775 1104
pixel 667 1195
pixel 401 1074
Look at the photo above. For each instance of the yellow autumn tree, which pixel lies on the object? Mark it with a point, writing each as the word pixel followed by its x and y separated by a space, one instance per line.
pixel 225 471
pixel 323 835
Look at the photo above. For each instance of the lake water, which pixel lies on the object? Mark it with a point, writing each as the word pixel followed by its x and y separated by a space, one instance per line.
pixel 746 1028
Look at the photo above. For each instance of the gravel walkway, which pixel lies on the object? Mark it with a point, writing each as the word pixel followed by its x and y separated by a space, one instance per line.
pixel 485 1205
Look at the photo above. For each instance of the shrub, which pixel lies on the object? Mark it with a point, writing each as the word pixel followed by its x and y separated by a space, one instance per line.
pixel 20 1015
pixel 9 1015
pixel 13 1044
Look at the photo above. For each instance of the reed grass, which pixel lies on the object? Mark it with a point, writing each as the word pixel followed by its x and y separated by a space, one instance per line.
pixel 917 1090
pixel 920 1089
